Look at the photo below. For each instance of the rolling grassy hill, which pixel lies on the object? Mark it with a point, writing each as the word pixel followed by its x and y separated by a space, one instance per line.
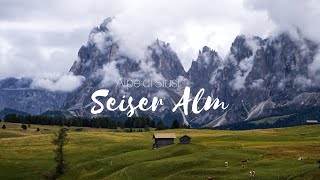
pixel 103 154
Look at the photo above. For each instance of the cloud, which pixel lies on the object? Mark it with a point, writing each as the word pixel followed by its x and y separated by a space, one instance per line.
pixel 303 81
pixel 245 65
pixel 314 67
pixel 183 82
pixel 57 26
pixel 198 23
pixel 257 83
pixel 64 83
pixel 37 53
pixel 38 37
pixel 289 14
pixel 161 94
pixel 101 39
pixel 110 74
pixel 47 38
pixel 313 78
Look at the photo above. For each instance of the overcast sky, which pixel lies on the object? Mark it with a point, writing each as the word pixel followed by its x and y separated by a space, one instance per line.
pixel 41 38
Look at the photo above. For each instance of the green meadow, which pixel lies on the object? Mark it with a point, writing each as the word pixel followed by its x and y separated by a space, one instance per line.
pixel 105 154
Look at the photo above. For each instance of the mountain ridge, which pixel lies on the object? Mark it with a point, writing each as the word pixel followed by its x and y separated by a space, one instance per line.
pixel 257 77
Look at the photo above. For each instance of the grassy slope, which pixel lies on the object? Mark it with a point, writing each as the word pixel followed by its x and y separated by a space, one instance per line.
pixel 101 154
pixel 269 120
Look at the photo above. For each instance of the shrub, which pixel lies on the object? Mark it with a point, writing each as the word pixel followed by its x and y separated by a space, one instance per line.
pixel 4 126
pixel 38 129
pixel 23 126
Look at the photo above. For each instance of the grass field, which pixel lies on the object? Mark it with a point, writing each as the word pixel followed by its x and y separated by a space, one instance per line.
pixel 102 154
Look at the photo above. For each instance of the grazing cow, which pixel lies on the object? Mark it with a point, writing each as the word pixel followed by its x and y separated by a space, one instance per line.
pixel 245 161
pixel 210 178
pixel 226 164
pixel 252 173
pixel 300 158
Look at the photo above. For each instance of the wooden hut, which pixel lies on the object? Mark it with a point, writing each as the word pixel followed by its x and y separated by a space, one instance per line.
pixel 163 139
pixel 184 139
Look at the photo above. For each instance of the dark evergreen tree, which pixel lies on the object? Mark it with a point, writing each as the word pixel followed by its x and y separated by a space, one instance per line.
pixel 60 141
pixel 146 128
pixel 160 125
pixel 175 124
pixel 10 118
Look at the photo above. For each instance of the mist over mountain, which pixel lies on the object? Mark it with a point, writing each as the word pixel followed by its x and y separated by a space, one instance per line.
pixel 258 78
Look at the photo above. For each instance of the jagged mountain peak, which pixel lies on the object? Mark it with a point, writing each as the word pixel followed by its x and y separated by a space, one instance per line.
pixel 208 56
pixel 205 49
pixel 160 47
pixel 208 51
pixel 103 27
pixel 165 60
pixel 245 46
pixel 258 76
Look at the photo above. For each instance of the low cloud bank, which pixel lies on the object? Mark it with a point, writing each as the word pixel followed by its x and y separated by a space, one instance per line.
pixel 64 83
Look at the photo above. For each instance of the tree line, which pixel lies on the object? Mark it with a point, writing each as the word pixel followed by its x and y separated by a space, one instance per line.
pixel 97 122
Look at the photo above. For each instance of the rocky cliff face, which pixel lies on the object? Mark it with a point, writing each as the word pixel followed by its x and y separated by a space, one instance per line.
pixel 104 66
pixel 17 94
pixel 258 78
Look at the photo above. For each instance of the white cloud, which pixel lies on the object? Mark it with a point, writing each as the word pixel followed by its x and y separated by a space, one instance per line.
pixel 110 74
pixel 161 94
pixel 314 67
pixel 302 81
pixel 245 65
pixel 257 83
pixel 186 25
pixel 100 40
pixel 47 40
pixel 288 14
pixel 64 83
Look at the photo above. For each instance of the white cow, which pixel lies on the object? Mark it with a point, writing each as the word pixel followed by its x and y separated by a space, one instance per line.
pixel 252 173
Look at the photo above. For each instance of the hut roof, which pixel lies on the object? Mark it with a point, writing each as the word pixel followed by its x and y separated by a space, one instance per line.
pixel 164 135
pixel 185 136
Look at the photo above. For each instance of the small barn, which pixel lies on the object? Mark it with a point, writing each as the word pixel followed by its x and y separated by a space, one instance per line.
pixel 311 122
pixel 185 139
pixel 163 139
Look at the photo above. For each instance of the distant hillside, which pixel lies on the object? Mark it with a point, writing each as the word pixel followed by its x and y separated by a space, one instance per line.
pixel 58 113
pixel 7 111
pixel 293 118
